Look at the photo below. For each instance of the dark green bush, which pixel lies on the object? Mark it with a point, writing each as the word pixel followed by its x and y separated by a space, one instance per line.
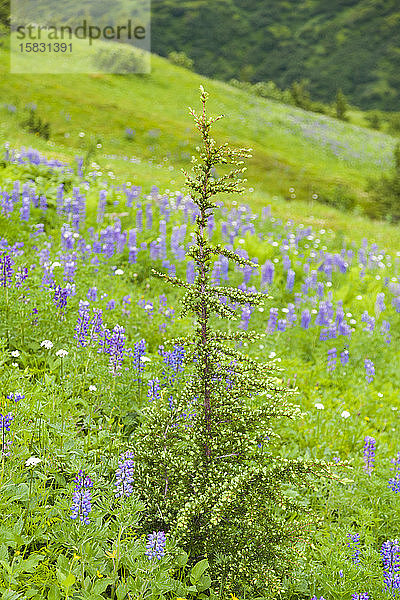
pixel 181 60
pixel 384 194
pixel 35 124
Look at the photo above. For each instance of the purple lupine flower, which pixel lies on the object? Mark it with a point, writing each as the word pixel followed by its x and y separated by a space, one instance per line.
pixel 369 453
pixel 390 553
pixel 246 314
pixel 174 361
pixel 96 324
pixel 6 269
pixel 162 300
pixel 111 305
pixel 79 166
pixel 362 596
pixel 154 389
pixel 139 218
pixel 70 266
pixel 114 346
pixel 320 289
pixel 344 357
pixel 272 321
pixel 149 216
pixel 380 304
pixel 324 335
pixel 332 359
pixel 369 369
pixel 155 547
pixel 16 396
pixel 92 294
pixel 139 350
pixel 190 272
pixel 216 273
pixel 267 273
pixel 353 544
pixel 286 262
pixel 322 317
pixel 290 280
pixel 369 322
pixel 5 426
pixel 315 598
pixel 20 275
pixel 5 422
pixel 124 475
pixel 306 285
pixel 101 208
pixel 394 482
pixel 396 304
pixel 281 325
pixel 60 297
pixel 26 203
pixel 305 319
pixel 81 498
pixel 60 199
pixel 82 327
pixel 385 328
pixel 291 314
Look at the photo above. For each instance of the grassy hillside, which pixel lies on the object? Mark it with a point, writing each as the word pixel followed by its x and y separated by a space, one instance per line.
pixel 292 149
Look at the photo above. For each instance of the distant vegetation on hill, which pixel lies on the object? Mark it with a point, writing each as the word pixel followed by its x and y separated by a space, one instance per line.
pixel 349 44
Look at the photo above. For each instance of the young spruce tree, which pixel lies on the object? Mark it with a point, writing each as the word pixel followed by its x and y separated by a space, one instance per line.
pixel 213 480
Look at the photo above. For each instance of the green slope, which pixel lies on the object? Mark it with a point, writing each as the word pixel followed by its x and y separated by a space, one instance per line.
pixel 291 148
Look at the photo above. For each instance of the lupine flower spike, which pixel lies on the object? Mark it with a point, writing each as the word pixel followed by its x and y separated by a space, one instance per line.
pixel 369 454
pixel 81 498
pixel 155 547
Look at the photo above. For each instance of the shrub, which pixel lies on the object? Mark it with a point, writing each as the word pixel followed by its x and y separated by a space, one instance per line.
pixel 384 194
pixel 120 59
pixel 300 94
pixel 374 119
pixel 205 463
pixel 34 124
pixel 181 60
pixel 339 196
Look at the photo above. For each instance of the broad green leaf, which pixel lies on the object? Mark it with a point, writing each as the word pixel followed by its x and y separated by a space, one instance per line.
pixel 101 584
pixel 198 570
pixel 203 583
pixel 182 559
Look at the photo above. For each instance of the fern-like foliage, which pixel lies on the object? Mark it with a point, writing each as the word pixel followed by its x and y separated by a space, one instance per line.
pixel 216 480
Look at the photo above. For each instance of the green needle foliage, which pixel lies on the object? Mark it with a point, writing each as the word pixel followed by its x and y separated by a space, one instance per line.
pixel 207 468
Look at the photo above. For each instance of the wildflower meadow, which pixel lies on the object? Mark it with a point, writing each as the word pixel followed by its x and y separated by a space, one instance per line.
pixel 199 399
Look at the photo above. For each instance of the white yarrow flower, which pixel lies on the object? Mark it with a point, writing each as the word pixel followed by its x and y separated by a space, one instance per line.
pixel 319 406
pixel 32 461
pixel 144 359
pixel 118 272
pixel 61 353
pixel 47 344
pixel 92 388
pixel 345 414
